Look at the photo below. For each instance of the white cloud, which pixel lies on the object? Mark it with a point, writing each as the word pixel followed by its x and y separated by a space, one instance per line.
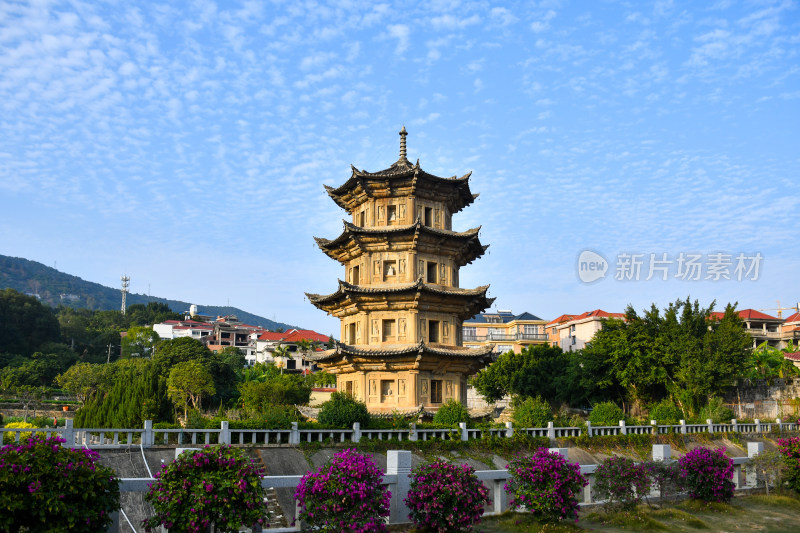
pixel 401 33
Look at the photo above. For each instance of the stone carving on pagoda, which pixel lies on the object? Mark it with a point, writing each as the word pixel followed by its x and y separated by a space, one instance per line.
pixel 400 305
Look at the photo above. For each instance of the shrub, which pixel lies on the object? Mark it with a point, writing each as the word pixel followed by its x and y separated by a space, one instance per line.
pixel 606 414
pixel 707 474
pixel 666 477
pixel 546 484
pixel 345 494
pixel 445 497
pixel 768 468
pixel 666 412
pixel 11 437
pixel 621 482
pixel 43 483
pixel 451 413
pixel 532 413
pixel 216 485
pixel 342 411
pixel 716 411
pixel 790 449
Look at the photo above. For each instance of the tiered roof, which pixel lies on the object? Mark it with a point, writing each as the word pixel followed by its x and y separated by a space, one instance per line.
pixel 362 184
pixel 469 300
pixel 466 242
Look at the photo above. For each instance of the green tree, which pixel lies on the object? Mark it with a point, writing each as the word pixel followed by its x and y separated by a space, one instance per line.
pixel 534 371
pixel 26 323
pixel 82 380
pixel 139 341
pixel 188 382
pixel 170 352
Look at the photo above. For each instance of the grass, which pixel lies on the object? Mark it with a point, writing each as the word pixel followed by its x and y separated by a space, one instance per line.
pixel 769 514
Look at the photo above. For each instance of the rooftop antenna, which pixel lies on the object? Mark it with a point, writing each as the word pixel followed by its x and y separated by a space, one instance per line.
pixel 125 284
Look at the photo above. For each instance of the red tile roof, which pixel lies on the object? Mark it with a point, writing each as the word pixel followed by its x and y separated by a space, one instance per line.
pixel 296 335
pixel 599 313
pixel 271 336
pixel 792 318
pixel 559 320
pixel 794 356
pixel 745 314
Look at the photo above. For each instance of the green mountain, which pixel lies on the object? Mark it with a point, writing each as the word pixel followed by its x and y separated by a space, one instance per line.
pixel 55 288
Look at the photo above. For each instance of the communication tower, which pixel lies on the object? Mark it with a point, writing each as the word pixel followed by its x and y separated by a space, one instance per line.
pixel 125 284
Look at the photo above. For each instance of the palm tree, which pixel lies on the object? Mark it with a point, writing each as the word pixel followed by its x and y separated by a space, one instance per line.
pixel 280 354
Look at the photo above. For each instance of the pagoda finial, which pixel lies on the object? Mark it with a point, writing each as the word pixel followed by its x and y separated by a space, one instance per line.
pixel 403 134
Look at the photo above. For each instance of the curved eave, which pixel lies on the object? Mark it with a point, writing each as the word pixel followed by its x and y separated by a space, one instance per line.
pixel 347 289
pixel 351 233
pixel 400 170
pixel 345 350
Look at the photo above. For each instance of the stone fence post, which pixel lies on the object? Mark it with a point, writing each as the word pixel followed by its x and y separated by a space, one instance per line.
pixel 551 431
pixel 661 452
pixel 294 436
pixel 356 431
pixel 588 429
pixel 225 433
pixel 509 430
pixel 653 427
pixel 758 425
pixel 753 449
pixel 735 425
pixel 780 424
pixel 683 427
pixel 398 462
pixel 412 431
pixel 69 433
pixel 148 437
pixel 622 429
pixel 710 425
pixel 464 433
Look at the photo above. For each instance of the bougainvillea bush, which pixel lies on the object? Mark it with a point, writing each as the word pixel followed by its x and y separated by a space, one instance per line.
pixel 707 474
pixel 665 476
pixel 790 449
pixel 546 485
pixel 216 485
pixel 345 494
pixel 445 497
pixel 621 482
pixel 45 487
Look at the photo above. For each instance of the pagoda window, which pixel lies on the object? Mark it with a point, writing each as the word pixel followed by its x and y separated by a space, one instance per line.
pixel 433 331
pixel 355 275
pixel 389 330
pixel 362 218
pixel 431 273
pixel 391 213
pixel 348 388
pixel 387 389
pixel 389 270
pixel 436 391
pixel 351 333
pixel 428 214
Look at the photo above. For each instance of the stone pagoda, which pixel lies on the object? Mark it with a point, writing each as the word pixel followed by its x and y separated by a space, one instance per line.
pixel 400 306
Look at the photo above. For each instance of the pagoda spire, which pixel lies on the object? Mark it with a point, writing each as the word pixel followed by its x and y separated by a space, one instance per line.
pixel 403 134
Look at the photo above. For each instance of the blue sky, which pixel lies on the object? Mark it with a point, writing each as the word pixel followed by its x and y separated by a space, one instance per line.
pixel 187 144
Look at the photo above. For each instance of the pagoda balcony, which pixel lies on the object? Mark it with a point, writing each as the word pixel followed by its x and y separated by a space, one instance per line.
pixel 515 337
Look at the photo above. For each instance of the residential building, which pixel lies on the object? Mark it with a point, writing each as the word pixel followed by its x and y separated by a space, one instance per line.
pixel 174 329
pixel 572 332
pixel 790 331
pixel 504 330
pixel 269 341
pixel 760 326
pixel 401 308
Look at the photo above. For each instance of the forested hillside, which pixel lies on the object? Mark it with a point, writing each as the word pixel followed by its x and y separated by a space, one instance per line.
pixel 58 288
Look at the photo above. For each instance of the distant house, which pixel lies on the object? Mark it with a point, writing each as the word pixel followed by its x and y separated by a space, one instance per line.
pixel 760 326
pixel 269 341
pixel 174 329
pixel 505 330
pixel 572 332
